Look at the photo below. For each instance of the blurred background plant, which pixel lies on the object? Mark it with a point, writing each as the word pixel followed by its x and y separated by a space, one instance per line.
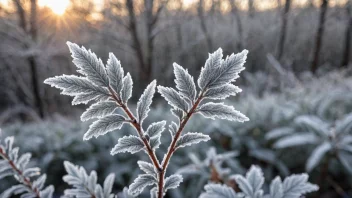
pixel 298 67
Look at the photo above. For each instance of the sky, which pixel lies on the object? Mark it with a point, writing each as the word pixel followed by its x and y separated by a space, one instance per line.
pixel 59 6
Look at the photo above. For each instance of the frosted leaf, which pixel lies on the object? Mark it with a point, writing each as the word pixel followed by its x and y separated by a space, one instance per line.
pixel 98 191
pixel 92 181
pixel 344 126
pixel 172 182
pixel 124 194
pixel 345 159
pixel 89 64
pixel 346 147
pixel 84 98
pixel 6 173
pixel 71 169
pixel 140 183
pixel 104 125
pixel 130 144
pixel 146 167
pixel 173 98
pixel 155 142
pixel 244 185
pixel 73 85
pixel 218 191
pixel 30 172
pixel 126 91
pixel 313 124
pixel 278 133
pixel 219 110
pixel 213 75
pixel 108 184
pixel 14 190
pixel 317 155
pixel 115 73
pixel 276 189
pixel 223 92
pixel 99 110
pixel 153 192
pixel 296 140
pixel 145 101
pixel 191 138
pixel 296 185
pixel 39 183
pixel 178 113
pixel 255 178
pixel 23 160
pixel 155 129
pixel 173 127
pixel 184 82
pixel 47 192
pixel 85 185
pixel 207 72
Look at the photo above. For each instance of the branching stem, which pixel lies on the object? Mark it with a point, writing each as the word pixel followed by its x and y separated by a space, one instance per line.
pixel 160 167
pixel 172 148
pixel 138 127
pixel 26 181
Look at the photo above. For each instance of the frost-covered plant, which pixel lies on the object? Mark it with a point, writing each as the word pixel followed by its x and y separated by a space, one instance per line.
pixel 86 185
pixel 251 186
pixel 223 185
pixel 31 183
pixel 213 168
pixel 110 89
pixel 329 140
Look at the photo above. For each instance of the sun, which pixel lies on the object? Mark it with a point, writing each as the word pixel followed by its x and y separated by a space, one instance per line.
pixel 57 6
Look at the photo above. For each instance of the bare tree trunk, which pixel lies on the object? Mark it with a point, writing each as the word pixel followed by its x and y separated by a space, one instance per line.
pixel 21 15
pixel 32 61
pixel 319 36
pixel 203 24
pixel 215 7
pixel 137 46
pixel 347 47
pixel 235 13
pixel 251 8
pixel 281 46
pixel 145 59
pixel 150 39
pixel 278 2
pixel 179 27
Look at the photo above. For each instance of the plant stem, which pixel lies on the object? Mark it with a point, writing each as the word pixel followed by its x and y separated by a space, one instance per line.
pixel 337 187
pixel 323 173
pixel 26 181
pixel 172 148
pixel 138 127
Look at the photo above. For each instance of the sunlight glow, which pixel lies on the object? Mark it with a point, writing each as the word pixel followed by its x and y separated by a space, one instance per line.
pixel 57 6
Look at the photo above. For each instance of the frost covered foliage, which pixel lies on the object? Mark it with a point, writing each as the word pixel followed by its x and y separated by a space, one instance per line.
pixel 251 186
pixel 328 140
pixel 30 182
pixel 109 89
pixel 221 184
pixel 86 185
pixel 212 169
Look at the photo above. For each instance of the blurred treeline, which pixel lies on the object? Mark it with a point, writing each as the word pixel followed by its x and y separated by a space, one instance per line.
pixel 283 37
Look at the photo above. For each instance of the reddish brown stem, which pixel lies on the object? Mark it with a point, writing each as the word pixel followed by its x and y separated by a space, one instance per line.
pixel 26 181
pixel 138 127
pixel 172 148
